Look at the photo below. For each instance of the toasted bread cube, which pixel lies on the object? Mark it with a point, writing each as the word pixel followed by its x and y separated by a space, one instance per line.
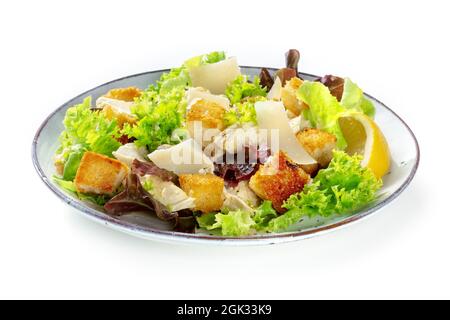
pixel 319 144
pixel 209 113
pixel 99 174
pixel 206 189
pixel 278 184
pixel 124 94
pixel 289 96
pixel 112 113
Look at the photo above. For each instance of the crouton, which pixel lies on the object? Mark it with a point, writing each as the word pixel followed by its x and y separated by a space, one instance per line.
pixel 124 94
pixel 319 144
pixel 289 96
pixel 278 184
pixel 99 174
pixel 210 114
pixel 206 189
pixel 112 113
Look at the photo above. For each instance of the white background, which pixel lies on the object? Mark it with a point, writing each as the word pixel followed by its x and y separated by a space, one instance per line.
pixel 51 51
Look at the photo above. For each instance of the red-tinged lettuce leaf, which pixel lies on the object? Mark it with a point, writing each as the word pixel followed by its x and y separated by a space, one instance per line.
pixel 185 222
pixel 135 198
pixel 143 168
pixel 235 172
pixel 292 59
pixel 286 74
pixel 291 70
pixel 334 84
pixel 266 79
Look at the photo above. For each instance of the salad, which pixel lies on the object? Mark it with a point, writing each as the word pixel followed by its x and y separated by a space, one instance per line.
pixel 209 149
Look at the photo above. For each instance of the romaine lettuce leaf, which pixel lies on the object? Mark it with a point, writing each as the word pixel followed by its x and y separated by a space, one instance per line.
pixel 212 57
pixel 69 187
pixel 353 99
pixel 324 109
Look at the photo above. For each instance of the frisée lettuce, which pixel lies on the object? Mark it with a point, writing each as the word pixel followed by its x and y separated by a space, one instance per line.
pixel 85 131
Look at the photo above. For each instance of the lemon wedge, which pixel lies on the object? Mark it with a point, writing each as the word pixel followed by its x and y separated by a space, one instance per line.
pixel 364 137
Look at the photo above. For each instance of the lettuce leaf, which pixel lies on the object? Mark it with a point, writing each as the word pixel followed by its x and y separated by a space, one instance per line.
pixel 264 214
pixel 342 188
pixel 212 57
pixel 206 220
pixel 85 130
pixel 159 118
pixel 69 187
pixel 240 88
pixel 242 112
pixel 353 99
pixel 324 109
pixel 234 223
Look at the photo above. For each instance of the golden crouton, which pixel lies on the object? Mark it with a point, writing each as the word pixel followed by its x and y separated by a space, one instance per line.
pixel 277 184
pixel 206 189
pixel 289 96
pixel 112 113
pixel 99 174
pixel 124 94
pixel 319 144
pixel 210 114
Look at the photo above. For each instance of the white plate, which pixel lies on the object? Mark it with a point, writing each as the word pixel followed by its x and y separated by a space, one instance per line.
pixel 405 160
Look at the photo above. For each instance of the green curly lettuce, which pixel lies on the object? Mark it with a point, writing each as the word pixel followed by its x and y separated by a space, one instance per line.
pixel 242 112
pixel 342 188
pixel 85 130
pixel 353 99
pixel 233 223
pixel 240 88
pixel 263 215
pixel 160 116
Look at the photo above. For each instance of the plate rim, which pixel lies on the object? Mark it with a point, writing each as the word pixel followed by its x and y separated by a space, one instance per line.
pixel 156 234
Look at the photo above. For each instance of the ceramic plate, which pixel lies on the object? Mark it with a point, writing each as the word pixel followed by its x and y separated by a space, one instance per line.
pixel 404 151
